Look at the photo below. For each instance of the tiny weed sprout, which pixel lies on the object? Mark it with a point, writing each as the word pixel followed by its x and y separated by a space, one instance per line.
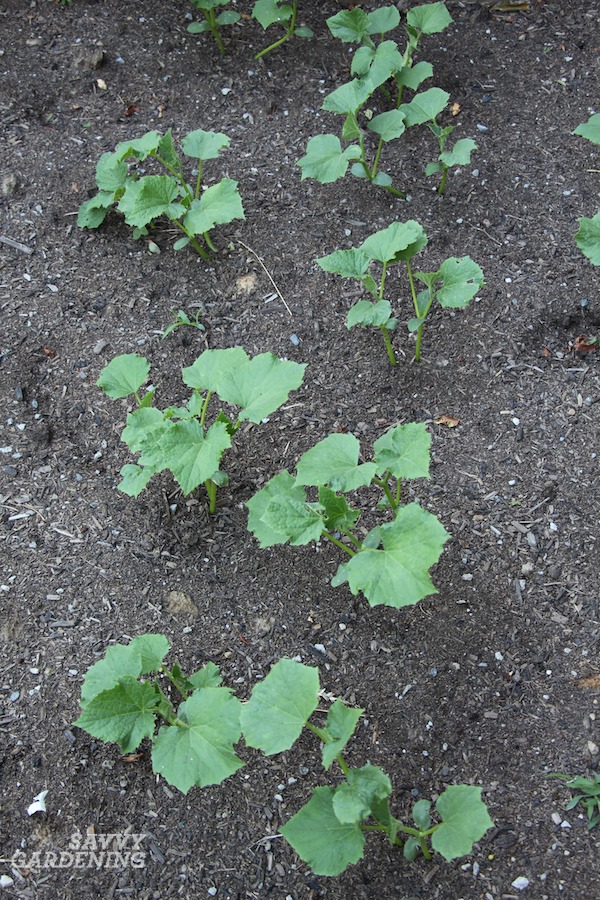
pixel 143 199
pixel 182 318
pixel 453 285
pixel 373 66
pixel 177 438
pixel 131 695
pixel 588 236
pixel 390 565
pixel 213 21
pixel 587 792
pixel 277 12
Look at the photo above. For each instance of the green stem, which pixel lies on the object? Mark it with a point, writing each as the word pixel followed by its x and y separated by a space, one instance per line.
pixel 442 186
pixel 339 544
pixel 394 191
pixel 192 240
pixel 198 180
pixel 398 490
pixel 386 490
pixel 290 28
pixel 377 155
pixel 211 490
pixel 212 21
pixel 388 344
pixel 209 242
pixel 324 737
pixel 204 408
pixel 351 537
pixel 174 682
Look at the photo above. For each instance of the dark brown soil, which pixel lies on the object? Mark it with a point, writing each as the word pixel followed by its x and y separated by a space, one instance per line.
pixel 480 684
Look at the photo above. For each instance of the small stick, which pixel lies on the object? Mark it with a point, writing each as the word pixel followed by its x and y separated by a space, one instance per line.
pixel 15 244
pixel 268 274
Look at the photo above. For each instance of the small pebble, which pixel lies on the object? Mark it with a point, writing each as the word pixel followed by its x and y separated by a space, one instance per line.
pixel 294 339
pixel 482 128
pixel 520 883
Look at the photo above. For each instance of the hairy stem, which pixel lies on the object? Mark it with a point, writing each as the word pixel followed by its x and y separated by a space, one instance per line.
pixel 214 28
pixel 192 240
pixel 198 180
pixel 388 344
pixel 211 490
pixel 386 490
pixel 377 155
pixel 174 682
pixel 205 408
pixel 442 186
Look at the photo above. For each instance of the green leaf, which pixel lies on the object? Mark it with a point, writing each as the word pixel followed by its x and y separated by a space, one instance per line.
pixel 349 97
pixel 351 129
pixel 279 707
pixel 124 375
pixel 341 723
pixel 460 155
pixel 208 676
pixel 325 161
pixel 338 515
pixel 209 4
pixel 125 714
pixel 304 32
pixel 388 125
pixel 461 279
pixel 588 238
pixel 413 76
pixel 424 107
pixel 211 367
pixel 334 462
pixel 465 819
pixel 381 811
pixel 140 148
pixel 134 479
pixel 201 753
pixel 192 456
pixel 178 245
pixel 300 523
pixel 351 263
pixel 349 25
pixel 389 243
pixel 267 12
pixel 218 205
pixel 166 151
pixel 92 213
pixel 366 313
pixel 382 179
pixel 411 849
pixel 320 839
pixel 198 27
pixel 377 65
pixel 421 814
pixel 354 799
pixel 261 385
pixel 204 145
pixel 119 662
pixel 149 198
pixel 228 17
pixel 433 168
pixel 152 649
pixel 398 575
pixel 403 451
pixel 589 129
pixel 385 19
pixel 140 424
pixel 282 485
pixel 429 19
pixel 111 174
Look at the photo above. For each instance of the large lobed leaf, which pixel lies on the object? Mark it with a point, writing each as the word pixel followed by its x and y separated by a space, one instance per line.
pixel 261 385
pixel 192 455
pixel 589 129
pixel 424 107
pixel 587 238
pixel 124 375
pixel 201 751
pixel 398 574
pixel 430 18
pixel 364 788
pixel 325 161
pixel 465 819
pixel 403 451
pixel 461 279
pixel 279 707
pixel 150 197
pixel 340 726
pixel 320 839
pixel 125 714
pixel 400 240
pixel 267 12
pixel 349 25
pixel 334 462
pixel 204 145
pixel 280 487
pixel 218 205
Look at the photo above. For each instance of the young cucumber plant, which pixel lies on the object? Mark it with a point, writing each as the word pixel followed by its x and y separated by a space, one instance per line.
pixel 382 62
pixel 453 285
pixel 390 564
pixel 277 12
pixel 588 236
pixel 195 746
pixel 213 21
pixel 373 66
pixel 145 199
pixel 177 438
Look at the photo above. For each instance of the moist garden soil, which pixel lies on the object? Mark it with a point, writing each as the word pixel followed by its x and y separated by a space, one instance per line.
pixel 494 680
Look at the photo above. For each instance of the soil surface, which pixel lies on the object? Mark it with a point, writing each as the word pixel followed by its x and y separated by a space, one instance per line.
pixel 493 681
